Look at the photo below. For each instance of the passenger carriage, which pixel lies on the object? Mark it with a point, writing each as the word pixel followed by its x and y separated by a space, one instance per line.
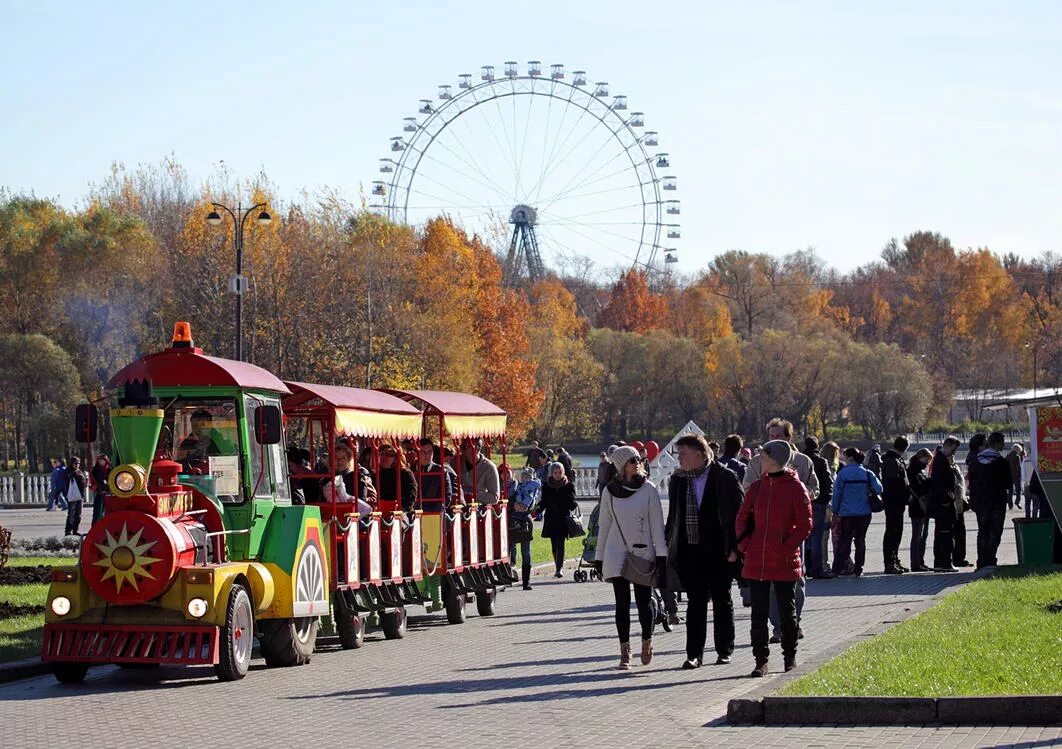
pixel 377 556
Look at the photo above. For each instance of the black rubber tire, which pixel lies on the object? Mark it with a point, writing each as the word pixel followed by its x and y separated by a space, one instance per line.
pixel 454 603
pixel 485 601
pixel 393 623
pixel 349 625
pixel 287 642
pixel 70 673
pixel 232 664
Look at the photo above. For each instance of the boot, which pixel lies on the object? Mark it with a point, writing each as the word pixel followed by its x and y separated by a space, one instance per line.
pixel 647 651
pixel 790 662
pixel 525 575
pixel 625 656
pixel 760 670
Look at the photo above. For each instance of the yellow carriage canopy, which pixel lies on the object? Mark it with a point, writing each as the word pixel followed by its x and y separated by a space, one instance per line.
pixel 463 415
pixel 358 412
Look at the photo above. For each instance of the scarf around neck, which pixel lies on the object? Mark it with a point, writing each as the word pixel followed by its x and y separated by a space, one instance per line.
pixel 693 533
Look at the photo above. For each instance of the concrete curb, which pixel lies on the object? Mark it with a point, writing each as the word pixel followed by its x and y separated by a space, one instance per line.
pixel 1018 710
pixel 23 669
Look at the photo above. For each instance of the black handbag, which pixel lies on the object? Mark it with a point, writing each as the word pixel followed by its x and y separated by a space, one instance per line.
pixel 877 502
pixel 574 523
pixel 520 530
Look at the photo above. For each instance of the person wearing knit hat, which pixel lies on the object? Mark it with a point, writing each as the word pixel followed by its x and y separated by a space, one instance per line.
pixel 773 522
pixel 631 523
pixel 557 503
pixel 520 526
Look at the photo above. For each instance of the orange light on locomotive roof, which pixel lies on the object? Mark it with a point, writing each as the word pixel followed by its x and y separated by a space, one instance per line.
pixel 182 335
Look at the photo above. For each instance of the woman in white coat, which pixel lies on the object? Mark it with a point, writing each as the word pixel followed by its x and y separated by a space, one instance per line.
pixel 631 519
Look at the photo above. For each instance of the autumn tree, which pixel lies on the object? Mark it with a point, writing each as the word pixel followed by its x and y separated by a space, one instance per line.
pixel 632 307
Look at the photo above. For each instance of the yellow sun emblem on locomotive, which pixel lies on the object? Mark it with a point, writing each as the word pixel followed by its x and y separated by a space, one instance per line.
pixel 124 559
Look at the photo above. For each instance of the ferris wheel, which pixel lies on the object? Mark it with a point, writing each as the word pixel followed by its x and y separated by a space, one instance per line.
pixel 539 161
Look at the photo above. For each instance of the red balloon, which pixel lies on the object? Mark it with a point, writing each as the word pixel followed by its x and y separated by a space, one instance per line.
pixel 651 450
pixel 638 446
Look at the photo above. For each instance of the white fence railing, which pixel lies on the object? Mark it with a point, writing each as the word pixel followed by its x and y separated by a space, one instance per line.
pixel 24 489
pixel 586 482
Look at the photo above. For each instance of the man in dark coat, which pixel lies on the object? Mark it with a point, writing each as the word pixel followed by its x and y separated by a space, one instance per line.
pixel 990 486
pixel 820 505
pixel 945 489
pixel 702 547
pixel 896 495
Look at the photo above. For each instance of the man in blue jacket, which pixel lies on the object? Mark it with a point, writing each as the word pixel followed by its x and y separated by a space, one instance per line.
pixel 990 485
pixel 55 487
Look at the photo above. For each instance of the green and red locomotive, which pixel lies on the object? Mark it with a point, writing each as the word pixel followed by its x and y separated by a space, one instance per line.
pixel 201 548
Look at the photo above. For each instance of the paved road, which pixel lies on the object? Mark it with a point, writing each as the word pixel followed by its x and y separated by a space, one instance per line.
pixel 541 672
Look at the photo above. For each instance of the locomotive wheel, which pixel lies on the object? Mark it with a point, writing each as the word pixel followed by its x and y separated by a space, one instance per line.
pixel 237 636
pixel 70 673
pixel 485 601
pixel 394 623
pixel 454 603
pixel 288 642
pixel 349 625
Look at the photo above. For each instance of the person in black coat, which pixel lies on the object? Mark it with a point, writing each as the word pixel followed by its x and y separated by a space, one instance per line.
pixel 393 461
pixel 990 487
pixel 557 502
pixel 703 558
pixel 820 507
pixel 944 490
pixel 918 508
pixel 896 494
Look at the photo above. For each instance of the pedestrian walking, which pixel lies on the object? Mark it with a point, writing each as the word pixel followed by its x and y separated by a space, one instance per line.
pixel 1032 497
pixel 703 501
pixel 732 447
pixel 821 513
pixel 873 461
pixel 605 472
pixel 630 539
pixel 101 470
pixel 946 493
pixel 831 453
pixel 55 486
pixel 990 488
pixel 565 459
pixel 525 499
pixel 918 508
pixel 897 495
pixel 780 429
pixel 1014 457
pixel 74 490
pixel 772 524
pixel 851 503
pixel 557 502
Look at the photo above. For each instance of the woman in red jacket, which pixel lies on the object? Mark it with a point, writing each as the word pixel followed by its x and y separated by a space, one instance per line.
pixel 773 522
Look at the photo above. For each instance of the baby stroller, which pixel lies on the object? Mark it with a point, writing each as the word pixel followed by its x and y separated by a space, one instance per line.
pixel 586 569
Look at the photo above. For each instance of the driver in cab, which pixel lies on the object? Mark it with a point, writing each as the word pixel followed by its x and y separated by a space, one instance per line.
pixel 203 442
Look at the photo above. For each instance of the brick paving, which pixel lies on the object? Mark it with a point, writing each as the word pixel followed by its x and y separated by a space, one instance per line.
pixel 541 672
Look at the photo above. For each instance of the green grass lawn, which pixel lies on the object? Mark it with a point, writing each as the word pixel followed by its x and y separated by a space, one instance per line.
pixel 994 636
pixel 20 636
pixel 542 551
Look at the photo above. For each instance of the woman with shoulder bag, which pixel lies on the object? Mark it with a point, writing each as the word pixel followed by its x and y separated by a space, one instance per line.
pixel 631 549
pixel 918 509
pixel 557 503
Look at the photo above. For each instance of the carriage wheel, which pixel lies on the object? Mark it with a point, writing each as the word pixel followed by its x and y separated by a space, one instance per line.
pixel 70 673
pixel 288 642
pixel 454 603
pixel 349 625
pixel 394 623
pixel 485 602
pixel 237 636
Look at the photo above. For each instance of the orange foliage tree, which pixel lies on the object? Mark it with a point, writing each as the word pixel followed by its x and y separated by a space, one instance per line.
pixel 632 307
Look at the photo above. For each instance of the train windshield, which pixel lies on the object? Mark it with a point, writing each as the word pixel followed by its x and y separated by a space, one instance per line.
pixel 204 439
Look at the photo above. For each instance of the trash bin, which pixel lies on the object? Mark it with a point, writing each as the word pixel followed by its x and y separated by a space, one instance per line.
pixel 1035 541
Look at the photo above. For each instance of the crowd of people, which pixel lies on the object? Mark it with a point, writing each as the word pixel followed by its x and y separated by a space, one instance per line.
pixel 769 516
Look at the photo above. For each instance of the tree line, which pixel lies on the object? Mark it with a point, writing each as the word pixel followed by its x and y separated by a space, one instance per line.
pixel 340 295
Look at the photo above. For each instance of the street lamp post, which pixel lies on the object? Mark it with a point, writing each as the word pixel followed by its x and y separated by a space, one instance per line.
pixel 1034 345
pixel 238 284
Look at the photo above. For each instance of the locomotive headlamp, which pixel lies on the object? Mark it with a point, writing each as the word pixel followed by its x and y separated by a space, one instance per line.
pixel 197 607
pixel 60 605
pixel 128 479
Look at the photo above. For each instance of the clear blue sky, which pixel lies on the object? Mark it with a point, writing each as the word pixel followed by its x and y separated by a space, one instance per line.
pixel 829 124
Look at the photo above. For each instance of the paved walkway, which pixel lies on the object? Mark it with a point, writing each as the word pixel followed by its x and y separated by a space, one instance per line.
pixel 540 673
